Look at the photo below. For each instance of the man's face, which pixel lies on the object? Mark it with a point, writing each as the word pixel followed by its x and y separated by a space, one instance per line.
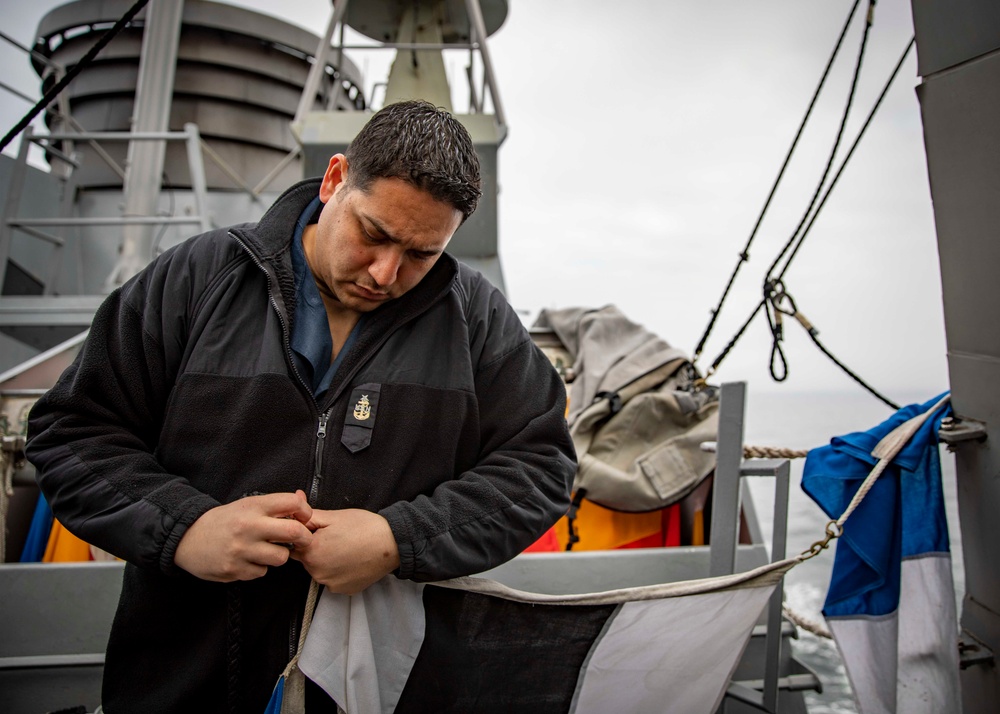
pixel 373 246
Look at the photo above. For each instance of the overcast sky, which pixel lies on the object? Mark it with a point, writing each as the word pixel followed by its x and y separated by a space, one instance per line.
pixel 644 137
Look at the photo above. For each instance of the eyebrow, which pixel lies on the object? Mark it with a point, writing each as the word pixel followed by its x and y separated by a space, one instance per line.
pixel 391 238
pixel 381 229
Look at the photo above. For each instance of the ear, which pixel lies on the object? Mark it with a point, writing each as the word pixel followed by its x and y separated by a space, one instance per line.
pixel 336 174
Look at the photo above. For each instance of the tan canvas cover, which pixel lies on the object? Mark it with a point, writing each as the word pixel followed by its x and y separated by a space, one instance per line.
pixel 635 417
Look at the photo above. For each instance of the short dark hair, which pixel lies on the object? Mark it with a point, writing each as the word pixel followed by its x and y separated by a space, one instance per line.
pixel 422 145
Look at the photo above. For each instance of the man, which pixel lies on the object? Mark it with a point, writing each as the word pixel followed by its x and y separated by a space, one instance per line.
pixel 325 386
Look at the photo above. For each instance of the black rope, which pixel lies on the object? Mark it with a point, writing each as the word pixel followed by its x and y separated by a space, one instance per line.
pixel 574 507
pixel 795 238
pixel 840 171
pixel 836 144
pixel 71 74
pixel 736 338
pixel 850 153
pixel 852 375
pixel 777 288
pixel 234 638
pixel 773 313
pixel 744 255
pixel 782 303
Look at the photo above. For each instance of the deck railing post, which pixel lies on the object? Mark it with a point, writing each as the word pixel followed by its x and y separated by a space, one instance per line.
pixel 724 530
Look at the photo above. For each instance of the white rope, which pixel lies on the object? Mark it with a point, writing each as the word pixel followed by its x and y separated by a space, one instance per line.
pixel 307 617
pixel 760 452
pixel 11 454
pixel 885 451
pixel 772 452
pixel 807 624
pixel 6 492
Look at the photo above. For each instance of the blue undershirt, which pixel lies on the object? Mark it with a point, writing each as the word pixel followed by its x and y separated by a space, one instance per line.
pixel 311 342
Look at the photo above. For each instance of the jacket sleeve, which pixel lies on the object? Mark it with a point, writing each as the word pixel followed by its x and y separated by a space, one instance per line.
pixel 93 436
pixel 521 483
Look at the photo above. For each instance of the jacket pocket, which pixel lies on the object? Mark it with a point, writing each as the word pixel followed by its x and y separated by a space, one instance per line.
pixel 362 410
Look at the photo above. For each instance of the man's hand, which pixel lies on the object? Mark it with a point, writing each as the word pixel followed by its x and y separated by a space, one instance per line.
pixel 350 550
pixel 240 540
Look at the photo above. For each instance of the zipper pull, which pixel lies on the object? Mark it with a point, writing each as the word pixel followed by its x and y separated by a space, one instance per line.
pixel 318 474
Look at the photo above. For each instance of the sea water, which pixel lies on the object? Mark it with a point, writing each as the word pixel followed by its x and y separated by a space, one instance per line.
pixel 804 421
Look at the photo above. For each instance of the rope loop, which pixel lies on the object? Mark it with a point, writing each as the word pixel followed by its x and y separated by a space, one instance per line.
pixel 774 292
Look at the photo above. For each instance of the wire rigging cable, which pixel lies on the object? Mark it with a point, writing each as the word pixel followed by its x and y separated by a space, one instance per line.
pixel 744 255
pixel 836 143
pixel 774 287
pixel 850 152
pixel 71 74
pixel 816 193
pixel 774 293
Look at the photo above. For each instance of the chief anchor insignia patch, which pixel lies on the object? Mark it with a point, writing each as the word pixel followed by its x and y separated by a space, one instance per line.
pixel 362 413
pixel 363 409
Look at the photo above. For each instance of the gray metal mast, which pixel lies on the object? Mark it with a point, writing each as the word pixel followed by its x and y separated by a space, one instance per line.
pixel 144 166
pixel 958 48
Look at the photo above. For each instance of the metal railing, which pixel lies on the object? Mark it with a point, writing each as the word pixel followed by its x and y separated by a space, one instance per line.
pixel 730 471
pixel 47 142
pixel 478 43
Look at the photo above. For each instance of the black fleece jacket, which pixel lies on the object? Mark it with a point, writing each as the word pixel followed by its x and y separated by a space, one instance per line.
pixel 185 397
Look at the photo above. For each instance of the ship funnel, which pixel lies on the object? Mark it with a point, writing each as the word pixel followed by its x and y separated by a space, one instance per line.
pixel 181 123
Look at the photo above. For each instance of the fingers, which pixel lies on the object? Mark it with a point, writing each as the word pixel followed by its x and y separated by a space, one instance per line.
pixel 304 512
pixel 321 519
pixel 242 539
pixel 350 550
pixel 267 555
pixel 284 505
pixel 285 531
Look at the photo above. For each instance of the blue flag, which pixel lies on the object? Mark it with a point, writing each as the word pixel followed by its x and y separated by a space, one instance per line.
pixel 891 603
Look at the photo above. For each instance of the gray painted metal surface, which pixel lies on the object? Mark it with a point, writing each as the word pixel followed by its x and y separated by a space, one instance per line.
pixel 55 621
pixel 725 490
pixel 239 77
pixel 958 46
pixel 154 92
pixel 323 134
pixel 380 20
pixel 950 32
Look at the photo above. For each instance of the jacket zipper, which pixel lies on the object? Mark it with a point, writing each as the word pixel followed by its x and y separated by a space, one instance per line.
pixel 324 416
pixel 320 442
pixel 293 639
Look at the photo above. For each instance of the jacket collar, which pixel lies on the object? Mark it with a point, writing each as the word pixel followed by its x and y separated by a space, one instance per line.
pixel 272 236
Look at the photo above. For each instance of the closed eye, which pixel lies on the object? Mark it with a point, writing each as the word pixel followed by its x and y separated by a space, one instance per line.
pixel 374 238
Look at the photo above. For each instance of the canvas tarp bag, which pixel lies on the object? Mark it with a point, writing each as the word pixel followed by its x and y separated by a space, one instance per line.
pixel 635 414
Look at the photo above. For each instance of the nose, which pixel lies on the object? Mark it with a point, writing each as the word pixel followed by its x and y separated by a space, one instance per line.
pixel 384 268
